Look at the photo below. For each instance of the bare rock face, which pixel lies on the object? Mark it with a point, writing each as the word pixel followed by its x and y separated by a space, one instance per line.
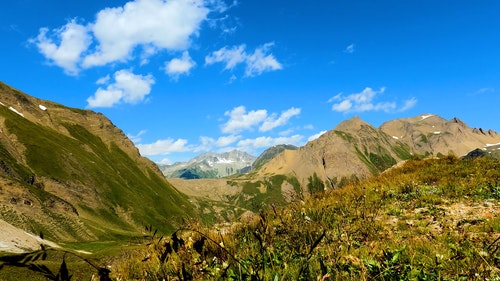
pixel 431 134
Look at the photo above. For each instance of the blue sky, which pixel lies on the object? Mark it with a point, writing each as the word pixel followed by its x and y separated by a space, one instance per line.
pixel 183 77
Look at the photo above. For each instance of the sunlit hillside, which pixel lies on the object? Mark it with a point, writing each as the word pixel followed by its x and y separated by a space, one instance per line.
pixel 433 219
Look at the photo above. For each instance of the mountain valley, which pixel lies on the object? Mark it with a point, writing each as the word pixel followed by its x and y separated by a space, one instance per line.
pixel 73 175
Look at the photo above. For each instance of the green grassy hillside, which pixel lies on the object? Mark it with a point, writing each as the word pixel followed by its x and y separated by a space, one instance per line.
pixel 77 186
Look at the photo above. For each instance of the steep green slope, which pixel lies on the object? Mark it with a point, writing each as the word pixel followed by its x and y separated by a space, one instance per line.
pixel 73 184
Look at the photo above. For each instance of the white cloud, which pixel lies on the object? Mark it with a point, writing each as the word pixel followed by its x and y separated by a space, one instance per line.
pixel 349 49
pixel 364 101
pixel 272 122
pixel 342 106
pixel 255 64
pixel 163 147
pixel 103 80
pixel 127 87
pixel 249 145
pixel 227 140
pixel 139 28
pixel 315 136
pixel 178 66
pixel 153 24
pixel 143 28
pixel 65 46
pixel 207 143
pixel 259 62
pixel 240 120
pixel 105 97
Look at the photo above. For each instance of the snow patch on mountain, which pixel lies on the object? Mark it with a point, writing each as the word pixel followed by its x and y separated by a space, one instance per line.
pixel 15 110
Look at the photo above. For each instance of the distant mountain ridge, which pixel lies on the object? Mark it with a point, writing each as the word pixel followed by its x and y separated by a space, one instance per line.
pixel 356 149
pixel 351 151
pixel 429 133
pixel 210 165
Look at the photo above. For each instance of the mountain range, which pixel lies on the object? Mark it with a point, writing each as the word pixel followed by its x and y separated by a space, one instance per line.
pixel 355 149
pixel 210 165
pixel 351 151
pixel 73 175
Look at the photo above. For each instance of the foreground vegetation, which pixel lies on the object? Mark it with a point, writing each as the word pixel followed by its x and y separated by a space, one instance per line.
pixel 434 219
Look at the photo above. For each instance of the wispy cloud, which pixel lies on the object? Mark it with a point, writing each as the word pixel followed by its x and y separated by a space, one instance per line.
pixel 365 101
pixel 309 127
pixel 230 56
pixel 137 137
pixel 349 49
pixel 127 87
pixel 408 104
pixel 255 63
pixel 486 90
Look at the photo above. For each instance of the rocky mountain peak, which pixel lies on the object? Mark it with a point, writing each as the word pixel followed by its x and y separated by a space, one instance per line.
pixel 210 165
pixel 459 122
pixel 353 124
